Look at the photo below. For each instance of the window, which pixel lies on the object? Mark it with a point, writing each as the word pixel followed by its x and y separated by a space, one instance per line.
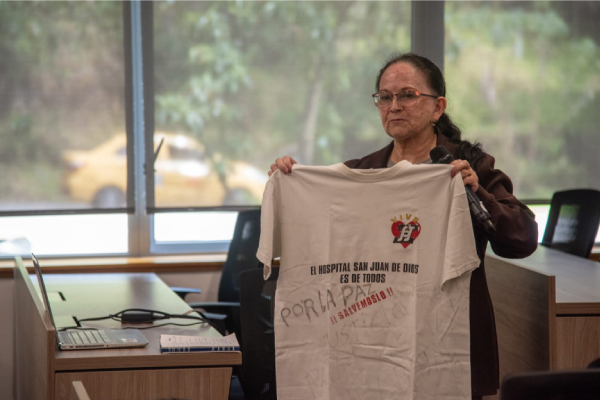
pixel 61 103
pixel 247 82
pixel 524 79
pixel 235 84
pixel 89 90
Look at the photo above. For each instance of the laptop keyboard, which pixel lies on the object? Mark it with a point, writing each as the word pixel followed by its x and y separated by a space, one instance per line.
pixel 88 337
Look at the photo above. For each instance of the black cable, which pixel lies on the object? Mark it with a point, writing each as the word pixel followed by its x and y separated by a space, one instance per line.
pixel 213 324
pixel 127 327
pixel 156 326
pixel 77 328
pixel 153 316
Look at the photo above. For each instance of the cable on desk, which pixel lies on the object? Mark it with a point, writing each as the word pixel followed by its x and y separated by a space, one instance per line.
pixel 79 328
pixel 213 324
pixel 156 326
pixel 145 316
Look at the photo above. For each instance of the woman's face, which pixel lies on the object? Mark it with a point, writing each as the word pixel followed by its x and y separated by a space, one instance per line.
pixel 402 123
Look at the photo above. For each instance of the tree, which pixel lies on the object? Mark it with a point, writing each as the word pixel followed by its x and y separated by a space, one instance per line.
pixel 275 77
pixel 61 87
pixel 520 80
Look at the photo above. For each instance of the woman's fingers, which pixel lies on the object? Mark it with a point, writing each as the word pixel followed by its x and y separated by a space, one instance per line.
pixel 469 176
pixel 273 169
pixel 283 164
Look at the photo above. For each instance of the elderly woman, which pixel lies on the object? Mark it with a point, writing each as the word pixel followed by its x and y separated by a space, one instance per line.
pixel 411 101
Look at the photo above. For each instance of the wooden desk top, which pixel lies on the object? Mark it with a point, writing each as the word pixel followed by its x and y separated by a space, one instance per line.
pixel 98 295
pixel 577 279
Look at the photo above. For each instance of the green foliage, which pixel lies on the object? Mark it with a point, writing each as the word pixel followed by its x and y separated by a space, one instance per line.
pixel 258 72
pixel 61 87
pixel 257 80
pixel 518 81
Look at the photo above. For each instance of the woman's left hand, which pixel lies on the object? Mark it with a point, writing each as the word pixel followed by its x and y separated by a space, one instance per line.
pixel 469 176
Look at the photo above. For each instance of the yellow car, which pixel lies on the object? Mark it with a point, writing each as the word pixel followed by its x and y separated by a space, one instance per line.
pixel 184 175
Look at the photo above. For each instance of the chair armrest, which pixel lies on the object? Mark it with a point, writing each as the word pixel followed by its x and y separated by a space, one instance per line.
pixel 215 304
pixel 229 310
pixel 214 316
pixel 184 291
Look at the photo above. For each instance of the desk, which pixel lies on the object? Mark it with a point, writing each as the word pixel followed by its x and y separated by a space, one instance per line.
pixel 42 372
pixel 547 309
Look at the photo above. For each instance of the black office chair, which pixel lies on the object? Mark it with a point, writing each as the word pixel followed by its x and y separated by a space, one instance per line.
pixel 594 364
pixel 559 385
pixel 184 291
pixel 573 221
pixel 241 257
pixel 257 304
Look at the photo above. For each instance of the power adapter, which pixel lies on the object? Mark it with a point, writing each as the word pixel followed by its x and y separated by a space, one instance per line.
pixel 140 317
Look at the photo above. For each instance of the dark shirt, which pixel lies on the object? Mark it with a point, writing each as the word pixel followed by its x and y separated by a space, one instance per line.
pixel 515 237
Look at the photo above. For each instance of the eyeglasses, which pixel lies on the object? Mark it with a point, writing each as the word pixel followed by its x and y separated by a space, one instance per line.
pixel 406 98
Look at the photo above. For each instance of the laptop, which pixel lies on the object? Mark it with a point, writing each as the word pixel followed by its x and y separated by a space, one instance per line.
pixel 89 339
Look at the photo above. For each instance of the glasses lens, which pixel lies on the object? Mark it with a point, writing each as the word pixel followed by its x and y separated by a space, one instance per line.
pixel 408 98
pixel 383 99
pixel 405 99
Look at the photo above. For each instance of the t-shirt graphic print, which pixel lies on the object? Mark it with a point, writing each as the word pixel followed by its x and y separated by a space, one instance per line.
pixel 372 298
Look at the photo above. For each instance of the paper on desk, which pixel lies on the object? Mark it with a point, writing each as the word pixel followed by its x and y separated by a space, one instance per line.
pixel 184 344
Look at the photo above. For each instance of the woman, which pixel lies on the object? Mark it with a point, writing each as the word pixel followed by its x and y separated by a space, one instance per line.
pixel 410 98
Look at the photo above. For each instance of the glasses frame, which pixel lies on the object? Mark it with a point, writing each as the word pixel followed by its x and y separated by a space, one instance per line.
pixel 396 96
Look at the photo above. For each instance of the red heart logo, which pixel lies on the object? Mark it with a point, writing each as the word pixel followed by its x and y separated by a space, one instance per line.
pixel 405 234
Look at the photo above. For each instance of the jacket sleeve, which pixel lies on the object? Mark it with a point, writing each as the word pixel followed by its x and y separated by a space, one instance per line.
pixel 516 233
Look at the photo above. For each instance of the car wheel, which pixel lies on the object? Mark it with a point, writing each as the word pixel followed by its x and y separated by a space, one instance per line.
pixel 109 197
pixel 238 197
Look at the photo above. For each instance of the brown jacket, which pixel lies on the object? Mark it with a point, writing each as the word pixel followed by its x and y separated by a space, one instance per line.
pixel 515 237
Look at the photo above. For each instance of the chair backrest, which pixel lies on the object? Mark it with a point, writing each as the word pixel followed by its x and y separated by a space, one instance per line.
pixel 242 254
pixel 558 385
pixel 573 221
pixel 257 303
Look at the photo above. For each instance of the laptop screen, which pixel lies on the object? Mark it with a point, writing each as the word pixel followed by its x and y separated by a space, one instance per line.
pixel 38 273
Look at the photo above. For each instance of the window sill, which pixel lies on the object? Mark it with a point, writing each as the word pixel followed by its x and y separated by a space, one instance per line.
pixel 171 263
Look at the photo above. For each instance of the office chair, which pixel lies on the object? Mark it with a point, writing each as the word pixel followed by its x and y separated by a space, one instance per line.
pixel 257 304
pixel 558 385
pixel 595 363
pixel 184 291
pixel 241 257
pixel 573 221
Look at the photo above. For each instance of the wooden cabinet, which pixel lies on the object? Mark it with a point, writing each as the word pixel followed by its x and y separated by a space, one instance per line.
pixel 547 309
pixel 153 384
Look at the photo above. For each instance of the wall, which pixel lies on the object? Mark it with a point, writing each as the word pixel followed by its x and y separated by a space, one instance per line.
pixel 7 339
pixel 207 281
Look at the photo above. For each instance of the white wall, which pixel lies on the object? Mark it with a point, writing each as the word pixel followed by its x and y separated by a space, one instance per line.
pixel 207 281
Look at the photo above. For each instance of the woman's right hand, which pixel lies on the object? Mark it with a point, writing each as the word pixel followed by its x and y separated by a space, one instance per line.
pixel 283 164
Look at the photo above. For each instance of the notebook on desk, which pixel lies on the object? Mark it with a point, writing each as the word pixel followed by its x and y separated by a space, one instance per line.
pixel 88 339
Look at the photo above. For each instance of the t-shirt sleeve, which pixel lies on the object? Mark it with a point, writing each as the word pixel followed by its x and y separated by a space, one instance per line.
pixel 460 252
pixel 270 233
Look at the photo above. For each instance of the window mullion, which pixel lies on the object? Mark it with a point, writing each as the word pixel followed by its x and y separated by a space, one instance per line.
pixel 427 32
pixel 139 232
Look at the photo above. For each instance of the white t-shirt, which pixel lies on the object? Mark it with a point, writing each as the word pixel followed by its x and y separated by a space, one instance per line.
pixel 372 298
